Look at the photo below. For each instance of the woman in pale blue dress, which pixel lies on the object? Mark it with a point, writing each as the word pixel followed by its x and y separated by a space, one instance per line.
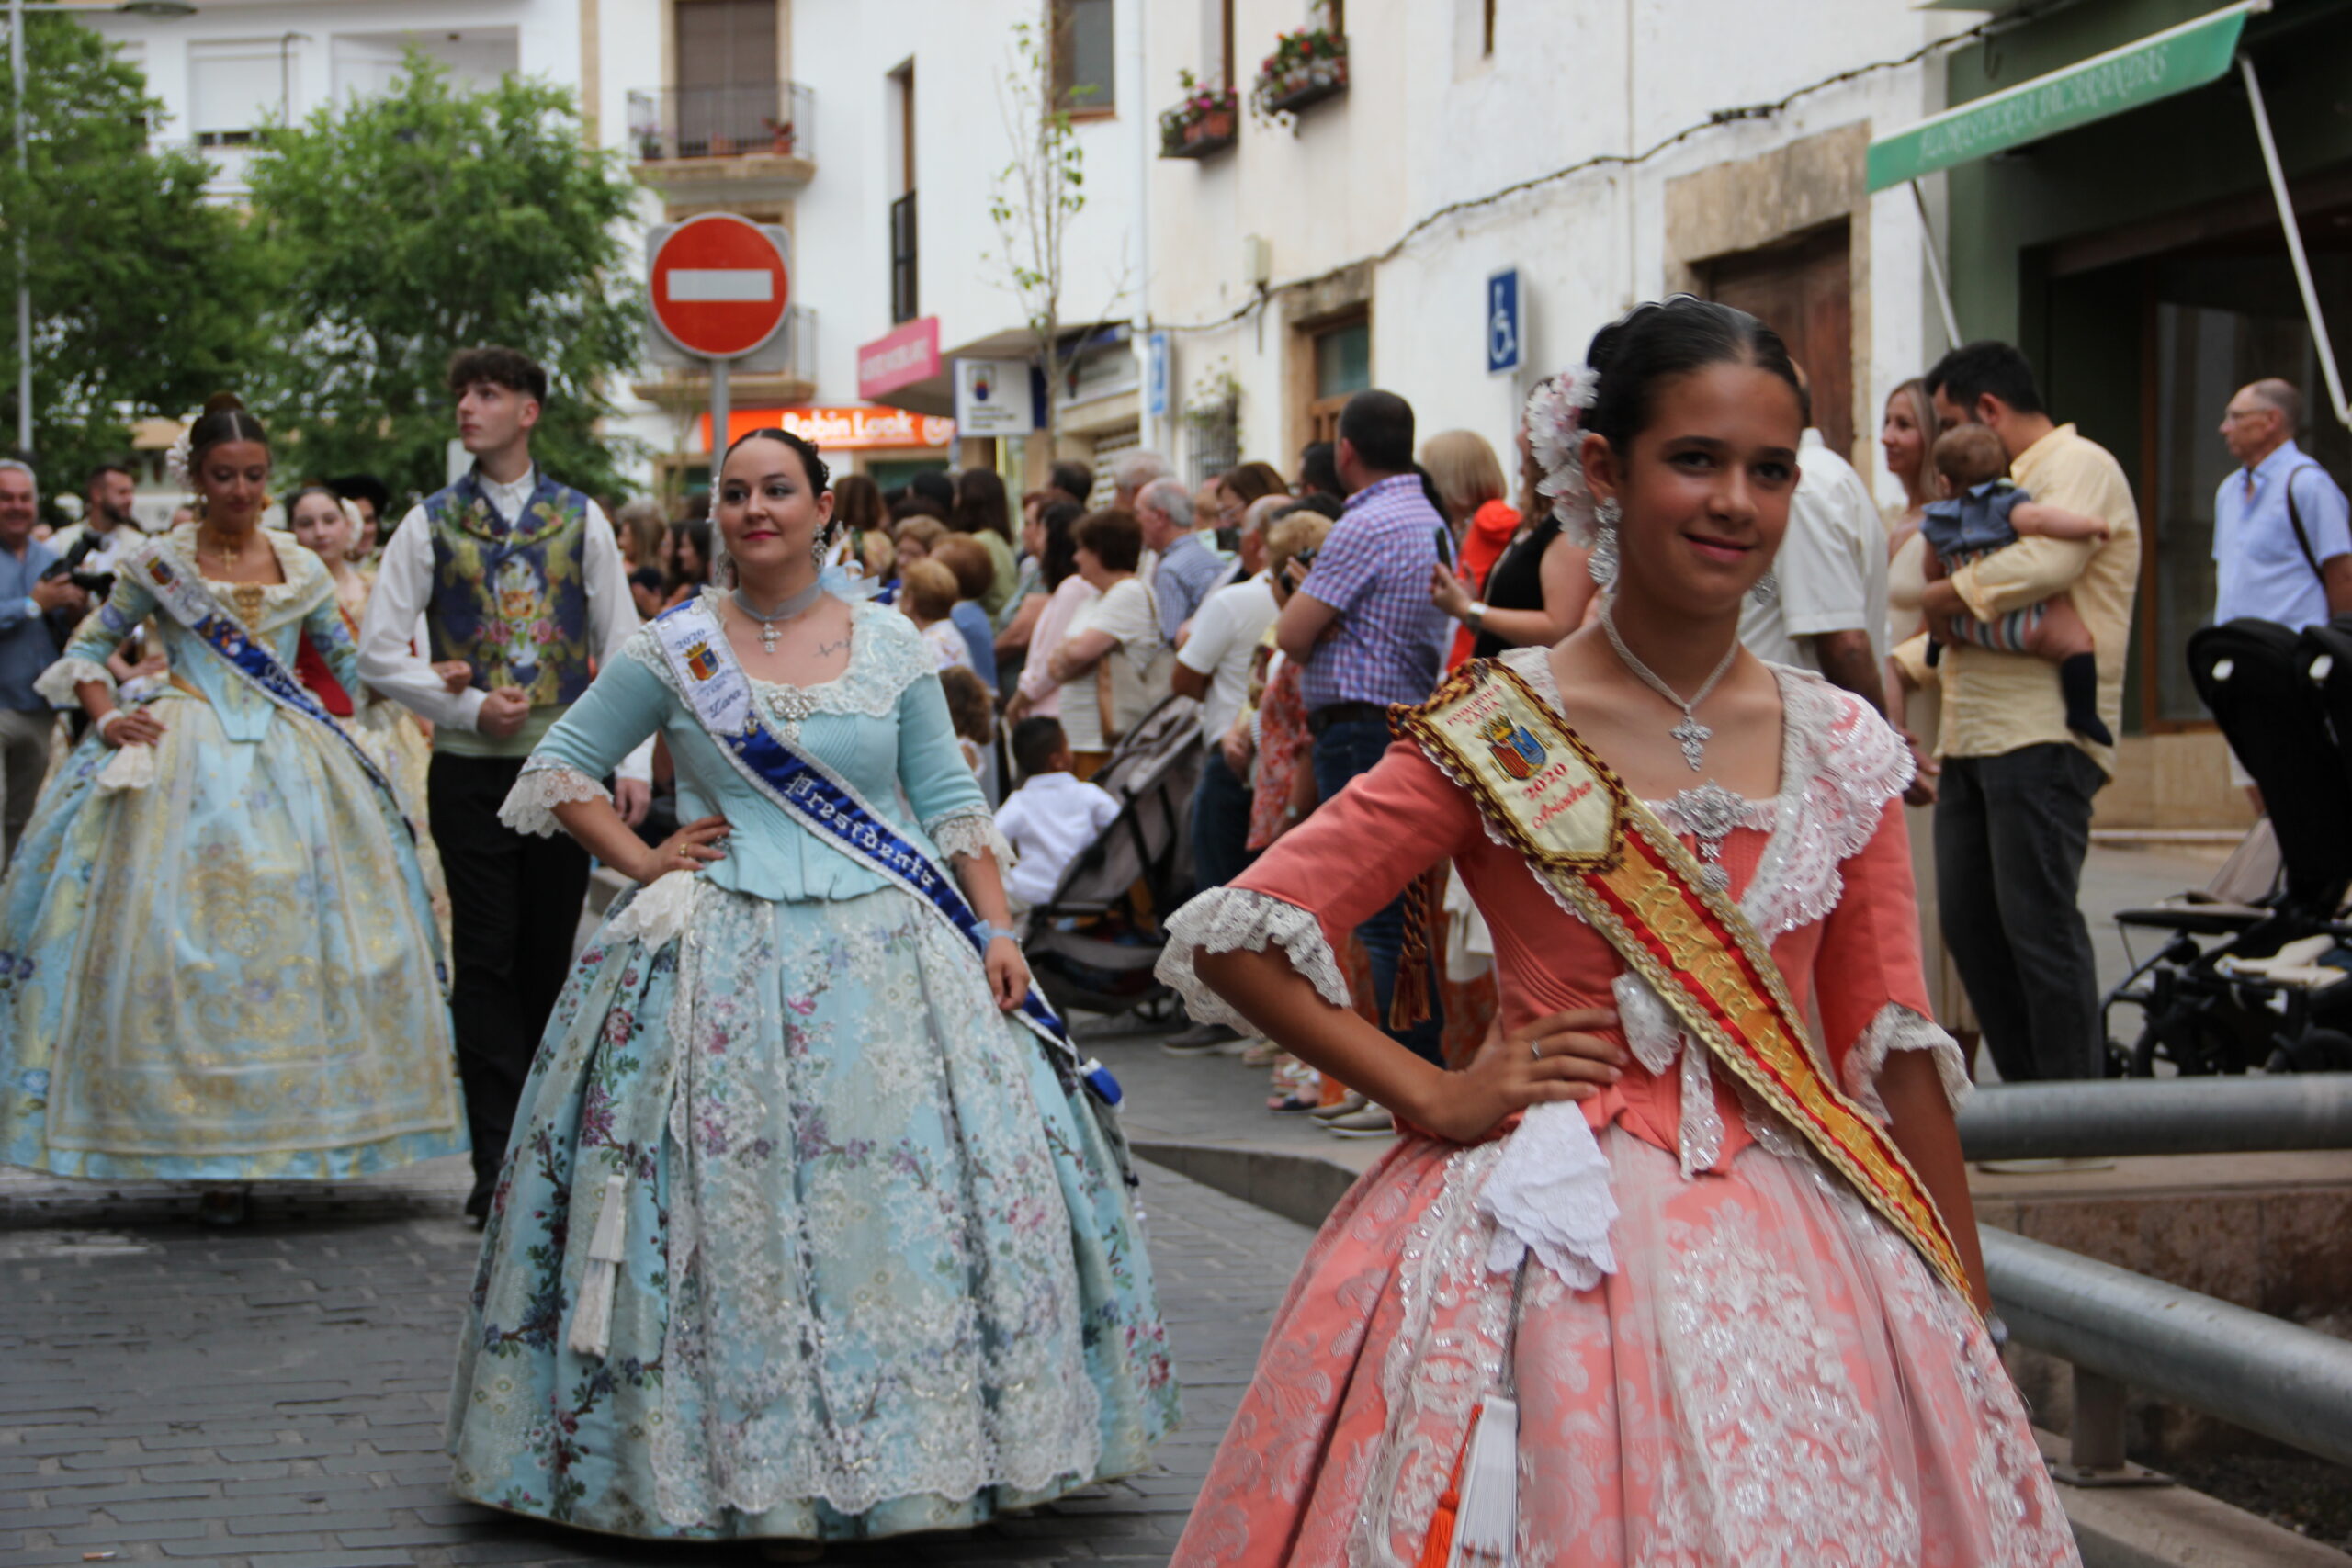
pixel 800 1235
pixel 217 959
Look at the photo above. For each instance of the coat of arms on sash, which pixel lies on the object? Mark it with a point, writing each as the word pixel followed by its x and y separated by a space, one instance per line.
pixel 1515 751
pixel 701 660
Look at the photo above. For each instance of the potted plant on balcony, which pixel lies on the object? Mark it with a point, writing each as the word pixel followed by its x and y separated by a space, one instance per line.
pixel 781 138
pixel 1307 67
pixel 1203 123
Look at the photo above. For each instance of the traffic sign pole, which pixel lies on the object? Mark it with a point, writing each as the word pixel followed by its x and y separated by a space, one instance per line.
pixel 721 411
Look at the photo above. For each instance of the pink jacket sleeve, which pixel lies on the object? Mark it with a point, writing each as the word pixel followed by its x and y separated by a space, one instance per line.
pixel 1869 959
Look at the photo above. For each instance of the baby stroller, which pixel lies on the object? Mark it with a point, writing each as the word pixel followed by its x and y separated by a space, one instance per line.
pixel 2258 971
pixel 1093 943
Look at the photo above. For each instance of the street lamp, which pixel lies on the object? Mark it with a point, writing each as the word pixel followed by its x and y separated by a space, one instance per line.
pixel 165 9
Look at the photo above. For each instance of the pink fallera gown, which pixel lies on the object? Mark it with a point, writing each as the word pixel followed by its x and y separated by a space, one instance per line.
pixel 1770 1376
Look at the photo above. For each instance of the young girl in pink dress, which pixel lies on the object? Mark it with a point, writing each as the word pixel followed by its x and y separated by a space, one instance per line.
pixel 1720 1272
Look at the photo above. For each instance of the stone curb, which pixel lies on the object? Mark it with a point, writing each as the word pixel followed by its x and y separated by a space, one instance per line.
pixel 2163 1527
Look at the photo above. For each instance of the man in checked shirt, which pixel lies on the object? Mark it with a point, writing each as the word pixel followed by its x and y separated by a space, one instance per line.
pixel 1363 629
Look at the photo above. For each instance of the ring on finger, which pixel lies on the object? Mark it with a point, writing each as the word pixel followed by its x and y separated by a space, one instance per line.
pixel 1536 1047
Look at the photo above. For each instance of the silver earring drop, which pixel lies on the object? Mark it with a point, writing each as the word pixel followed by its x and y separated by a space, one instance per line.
pixel 1602 562
pixel 1766 589
pixel 820 547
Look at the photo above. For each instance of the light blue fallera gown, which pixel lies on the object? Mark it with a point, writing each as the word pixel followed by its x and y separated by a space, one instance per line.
pixel 878 1270
pixel 226 968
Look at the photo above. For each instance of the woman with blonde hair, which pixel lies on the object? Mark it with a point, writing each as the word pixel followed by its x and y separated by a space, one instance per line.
pixel 1541 589
pixel 1470 482
pixel 1907 435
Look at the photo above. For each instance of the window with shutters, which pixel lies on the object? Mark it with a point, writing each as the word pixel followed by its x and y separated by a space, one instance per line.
pixel 729 97
pixel 234 89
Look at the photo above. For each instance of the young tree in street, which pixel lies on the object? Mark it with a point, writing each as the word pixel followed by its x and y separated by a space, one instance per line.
pixel 1036 197
pixel 146 299
pixel 431 218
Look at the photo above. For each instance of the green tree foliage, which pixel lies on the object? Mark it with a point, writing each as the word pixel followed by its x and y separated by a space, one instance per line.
pixel 146 300
pixel 404 227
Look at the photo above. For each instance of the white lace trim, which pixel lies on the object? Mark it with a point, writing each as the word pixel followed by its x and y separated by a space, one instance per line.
pixel 55 684
pixel 971 831
pixel 1224 919
pixel 886 656
pixel 538 790
pixel 1550 1193
pixel 1897 1027
pixel 658 915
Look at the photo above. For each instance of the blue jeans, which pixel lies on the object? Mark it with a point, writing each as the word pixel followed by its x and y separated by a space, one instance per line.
pixel 1220 823
pixel 1341 752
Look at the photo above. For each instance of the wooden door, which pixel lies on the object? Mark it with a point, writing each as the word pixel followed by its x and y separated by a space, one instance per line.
pixel 1804 290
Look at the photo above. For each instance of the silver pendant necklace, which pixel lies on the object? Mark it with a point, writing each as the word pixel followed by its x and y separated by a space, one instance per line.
pixel 1690 735
pixel 771 619
pixel 1711 811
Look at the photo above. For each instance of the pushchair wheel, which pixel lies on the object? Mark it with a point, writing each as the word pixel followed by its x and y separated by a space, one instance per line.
pixel 2316 1051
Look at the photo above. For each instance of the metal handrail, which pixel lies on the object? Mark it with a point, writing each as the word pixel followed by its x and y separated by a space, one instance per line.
pixel 2251 1370
pixel 683 123
pixel 2159 1116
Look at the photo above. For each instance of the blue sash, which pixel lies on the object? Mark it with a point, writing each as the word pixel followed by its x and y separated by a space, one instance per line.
pixel 192 603
pixel 718 695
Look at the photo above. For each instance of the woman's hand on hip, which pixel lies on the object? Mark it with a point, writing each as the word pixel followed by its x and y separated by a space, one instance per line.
pixel 691 848
pixel 1561 1057
pixel 1008 973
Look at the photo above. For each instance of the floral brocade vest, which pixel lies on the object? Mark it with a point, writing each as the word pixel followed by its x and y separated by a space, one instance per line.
pixel 511 599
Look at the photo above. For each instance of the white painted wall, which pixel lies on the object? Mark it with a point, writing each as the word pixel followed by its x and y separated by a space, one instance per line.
pixel 1428 122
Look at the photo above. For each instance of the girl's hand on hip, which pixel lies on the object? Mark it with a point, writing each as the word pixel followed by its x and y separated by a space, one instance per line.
pixel 1561 1057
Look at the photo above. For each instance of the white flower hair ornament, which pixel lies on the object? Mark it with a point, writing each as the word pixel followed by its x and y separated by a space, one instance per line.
pixel 176 460
pixel 1556 435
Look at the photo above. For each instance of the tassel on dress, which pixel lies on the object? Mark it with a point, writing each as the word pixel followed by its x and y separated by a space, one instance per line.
pixel 1424 896
pixel 1476 1522
pixel 591 1320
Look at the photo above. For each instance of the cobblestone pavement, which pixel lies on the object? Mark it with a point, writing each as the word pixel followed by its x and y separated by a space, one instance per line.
pixel 271 1396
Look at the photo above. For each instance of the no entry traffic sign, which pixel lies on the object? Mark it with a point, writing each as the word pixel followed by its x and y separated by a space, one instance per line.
pixel 718 286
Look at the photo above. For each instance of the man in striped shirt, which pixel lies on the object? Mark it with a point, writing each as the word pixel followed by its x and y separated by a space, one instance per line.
pixel 1366 633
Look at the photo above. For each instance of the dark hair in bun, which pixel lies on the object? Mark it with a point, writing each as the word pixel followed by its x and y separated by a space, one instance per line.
pixel 1655 344
pixel 225 419
pixel 812 465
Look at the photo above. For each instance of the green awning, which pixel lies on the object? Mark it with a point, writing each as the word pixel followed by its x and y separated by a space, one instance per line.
pixel 2157 66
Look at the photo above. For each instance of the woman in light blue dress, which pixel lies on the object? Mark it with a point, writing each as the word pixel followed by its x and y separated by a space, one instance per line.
pixel 800 1233
pixel 217 959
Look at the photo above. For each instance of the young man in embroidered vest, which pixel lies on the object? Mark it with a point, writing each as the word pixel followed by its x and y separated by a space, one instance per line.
pixel 521 588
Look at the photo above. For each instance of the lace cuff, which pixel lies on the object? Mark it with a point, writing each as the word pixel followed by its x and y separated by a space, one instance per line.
pixel 1897 1027
pixel 1224 919
pixel 970 832
pixel 56 683
pixel 1550 1191
pixel 542 787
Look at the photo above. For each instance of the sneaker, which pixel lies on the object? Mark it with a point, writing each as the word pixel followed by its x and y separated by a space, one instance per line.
pixel 1372 1122
pixel 1346 1105
pixel 1261 1054
pixel 1205 1040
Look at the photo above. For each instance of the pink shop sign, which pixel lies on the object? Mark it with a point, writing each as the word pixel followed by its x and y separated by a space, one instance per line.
pixel 899 358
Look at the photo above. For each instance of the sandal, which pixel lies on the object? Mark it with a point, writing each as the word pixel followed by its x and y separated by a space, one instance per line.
pixel 1285 1103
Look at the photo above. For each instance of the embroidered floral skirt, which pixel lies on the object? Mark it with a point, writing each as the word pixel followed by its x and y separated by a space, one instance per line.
pixel 228 973
pixel 1771 1380
pixel 878 1271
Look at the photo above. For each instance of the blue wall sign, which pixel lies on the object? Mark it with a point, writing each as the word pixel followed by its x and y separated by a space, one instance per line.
pixel 1502 322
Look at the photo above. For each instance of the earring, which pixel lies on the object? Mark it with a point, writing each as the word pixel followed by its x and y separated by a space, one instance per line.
pixel 1766 590
pixel 821 547
pixel 1602 562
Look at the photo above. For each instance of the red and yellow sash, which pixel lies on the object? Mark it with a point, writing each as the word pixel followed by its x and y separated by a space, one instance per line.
pixel 1543 789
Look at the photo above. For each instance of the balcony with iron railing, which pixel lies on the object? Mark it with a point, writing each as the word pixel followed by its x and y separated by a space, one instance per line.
pixel 743 142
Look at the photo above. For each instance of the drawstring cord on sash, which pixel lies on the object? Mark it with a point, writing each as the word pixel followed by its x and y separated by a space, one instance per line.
pixel 1424 900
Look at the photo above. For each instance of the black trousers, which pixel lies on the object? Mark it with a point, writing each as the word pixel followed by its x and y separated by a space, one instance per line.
pixel 2010 835
pixel 513 913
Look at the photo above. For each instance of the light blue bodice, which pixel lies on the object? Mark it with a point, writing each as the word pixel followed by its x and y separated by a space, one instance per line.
pixel 882 725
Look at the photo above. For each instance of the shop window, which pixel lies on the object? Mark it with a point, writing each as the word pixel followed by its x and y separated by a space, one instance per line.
pixel 1083 58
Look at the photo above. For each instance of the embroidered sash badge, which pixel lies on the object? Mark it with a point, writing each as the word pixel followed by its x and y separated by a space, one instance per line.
pixel 1550 795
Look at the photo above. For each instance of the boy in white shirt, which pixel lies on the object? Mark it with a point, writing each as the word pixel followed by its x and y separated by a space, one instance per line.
pixel 1051 818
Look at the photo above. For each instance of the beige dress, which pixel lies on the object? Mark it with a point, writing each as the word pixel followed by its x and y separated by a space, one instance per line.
pixel 1906 587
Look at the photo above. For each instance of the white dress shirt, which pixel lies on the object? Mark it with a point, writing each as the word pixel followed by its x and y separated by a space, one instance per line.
pixel 1225 637
pixel 1047 821
pixel 1831 571
pixel 404 587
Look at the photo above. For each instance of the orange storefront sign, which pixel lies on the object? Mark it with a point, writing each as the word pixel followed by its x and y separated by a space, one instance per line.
pixel 840 430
